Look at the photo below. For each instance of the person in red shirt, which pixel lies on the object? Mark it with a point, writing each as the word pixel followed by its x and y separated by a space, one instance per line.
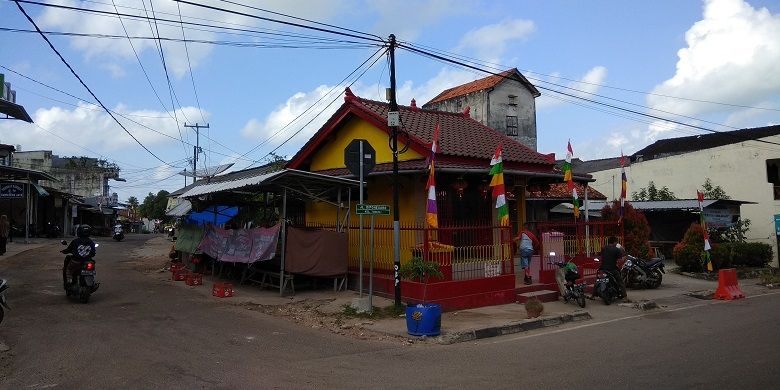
pixel 527 245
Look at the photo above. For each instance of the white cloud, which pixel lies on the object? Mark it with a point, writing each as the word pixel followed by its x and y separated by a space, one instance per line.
pixel 489 42
pixel 89 127
pixel 732 56
pixel 588 84
pixel 114 53
pixel 407 18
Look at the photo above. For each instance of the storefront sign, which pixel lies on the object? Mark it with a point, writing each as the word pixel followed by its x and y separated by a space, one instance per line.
pixel 240 245
pixel 11 191
pixel 777 224
pixel 718 218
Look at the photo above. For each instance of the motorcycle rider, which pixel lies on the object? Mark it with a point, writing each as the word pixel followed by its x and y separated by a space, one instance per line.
pixel 80 249
pixel 608 264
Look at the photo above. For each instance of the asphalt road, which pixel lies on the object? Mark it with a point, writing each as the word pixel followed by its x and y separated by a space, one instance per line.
pixel 140 332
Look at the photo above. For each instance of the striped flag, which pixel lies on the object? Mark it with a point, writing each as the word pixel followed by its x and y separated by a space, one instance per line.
pixel 568 178
pixel 431 212
pixel 497 182
pixel 707 247
pixel 623 183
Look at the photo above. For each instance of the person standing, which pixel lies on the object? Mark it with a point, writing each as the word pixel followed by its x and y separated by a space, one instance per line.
pixel 610 255
pixel 528 243
pixel 5 231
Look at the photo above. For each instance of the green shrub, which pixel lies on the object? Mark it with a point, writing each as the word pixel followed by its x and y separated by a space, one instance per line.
pixel 722 255
pixel 688 252
pixel 751 254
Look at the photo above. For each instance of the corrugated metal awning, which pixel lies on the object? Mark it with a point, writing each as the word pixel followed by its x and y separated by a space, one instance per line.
pixel 283 178
pixel 180 209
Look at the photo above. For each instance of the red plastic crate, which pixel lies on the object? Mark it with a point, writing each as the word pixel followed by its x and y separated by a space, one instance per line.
pixel 180 275
pixel 193 279
pixel 176 266
pixel 222 290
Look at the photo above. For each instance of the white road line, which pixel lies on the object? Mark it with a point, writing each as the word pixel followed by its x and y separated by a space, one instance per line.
pixel 713 302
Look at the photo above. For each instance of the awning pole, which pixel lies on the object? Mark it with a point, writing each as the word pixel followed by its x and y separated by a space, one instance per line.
pixel 284 242
pixel 587 224
pixel 27 213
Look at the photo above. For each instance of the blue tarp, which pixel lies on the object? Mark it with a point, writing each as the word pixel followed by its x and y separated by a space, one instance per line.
pixel 216 215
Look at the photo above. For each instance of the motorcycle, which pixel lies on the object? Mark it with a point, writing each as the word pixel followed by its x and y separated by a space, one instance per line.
pixel 79 277
pixel 606 286
pixel 638 272
pixel 119 234
pixel 570 290
pixel 3 302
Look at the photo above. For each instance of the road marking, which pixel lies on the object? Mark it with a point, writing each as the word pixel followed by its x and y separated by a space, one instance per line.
pixel 713 302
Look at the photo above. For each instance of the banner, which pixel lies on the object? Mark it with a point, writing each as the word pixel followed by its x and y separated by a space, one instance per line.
pixel 240 245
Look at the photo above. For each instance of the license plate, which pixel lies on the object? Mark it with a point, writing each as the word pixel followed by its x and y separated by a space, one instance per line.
pixel 85 272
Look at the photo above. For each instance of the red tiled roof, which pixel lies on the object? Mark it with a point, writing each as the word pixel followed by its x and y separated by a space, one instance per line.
pixel 561 191
pixel 420 165
pixel 461 138
pixel 459 134
pixel 482 84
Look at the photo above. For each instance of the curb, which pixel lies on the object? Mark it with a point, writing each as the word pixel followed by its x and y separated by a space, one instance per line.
pixel 502 330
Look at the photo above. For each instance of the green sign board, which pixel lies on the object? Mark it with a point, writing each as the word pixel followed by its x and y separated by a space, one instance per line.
pixel 372 209
pixel 777 224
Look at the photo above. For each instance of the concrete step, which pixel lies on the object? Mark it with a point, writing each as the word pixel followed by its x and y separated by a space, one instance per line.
pixel 542 295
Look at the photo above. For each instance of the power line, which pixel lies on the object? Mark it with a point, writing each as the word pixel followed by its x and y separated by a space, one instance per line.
pixel 189 65
pixel 511 77
pixel 500 67
pixel 83 83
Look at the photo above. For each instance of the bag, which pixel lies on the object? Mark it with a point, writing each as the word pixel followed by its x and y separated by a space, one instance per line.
pixel 172 254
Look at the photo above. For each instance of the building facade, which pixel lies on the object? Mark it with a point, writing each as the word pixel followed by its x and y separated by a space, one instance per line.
pixel 82 176
pixel 744 163
pixel 504 102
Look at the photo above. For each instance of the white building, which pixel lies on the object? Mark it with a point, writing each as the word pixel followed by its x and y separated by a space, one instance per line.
pixel 744 163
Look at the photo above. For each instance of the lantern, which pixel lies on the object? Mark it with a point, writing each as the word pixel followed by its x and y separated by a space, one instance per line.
pixel 459 185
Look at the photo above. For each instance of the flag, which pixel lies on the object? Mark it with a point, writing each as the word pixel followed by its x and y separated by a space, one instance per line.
pixel 707 247
pixel 431 212
pixel 623 184
pixel 497 182
pixel 567 177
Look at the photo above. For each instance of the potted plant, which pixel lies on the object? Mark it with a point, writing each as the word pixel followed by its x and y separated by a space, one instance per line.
pixel 534 307
pixel 422 319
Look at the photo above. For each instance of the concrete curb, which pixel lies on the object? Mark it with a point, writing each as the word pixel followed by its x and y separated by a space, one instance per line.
pixel 524 326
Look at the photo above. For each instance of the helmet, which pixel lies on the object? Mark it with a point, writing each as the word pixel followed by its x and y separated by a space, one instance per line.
pixel 83 231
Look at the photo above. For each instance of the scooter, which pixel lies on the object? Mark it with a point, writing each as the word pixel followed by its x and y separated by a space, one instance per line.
pixel 3 302
pixel 119 234
pixel 567 276
pixel 637 272
pixel 79 277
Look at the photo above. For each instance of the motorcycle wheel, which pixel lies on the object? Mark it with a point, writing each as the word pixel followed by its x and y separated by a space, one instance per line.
pixel 2 314
pixel 84 293
pixel 581 300
pixel 607 297
pixel 656 279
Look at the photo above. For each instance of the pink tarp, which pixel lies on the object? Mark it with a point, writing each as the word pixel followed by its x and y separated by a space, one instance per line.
pixel 240 245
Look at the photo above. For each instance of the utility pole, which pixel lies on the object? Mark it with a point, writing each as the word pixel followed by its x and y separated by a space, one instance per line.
pixel 197 128
pixel 393 111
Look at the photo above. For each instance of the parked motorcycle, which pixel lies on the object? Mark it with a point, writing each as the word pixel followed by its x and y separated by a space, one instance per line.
pixel 638 272
pixel 570 289
pixel 3 302
pixel 79 276
pixel 119 233
pixel 606 286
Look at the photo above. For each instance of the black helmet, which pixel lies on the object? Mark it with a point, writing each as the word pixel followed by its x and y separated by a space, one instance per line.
pixel 83 231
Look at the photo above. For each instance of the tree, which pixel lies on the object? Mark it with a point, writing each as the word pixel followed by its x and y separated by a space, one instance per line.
pixel 653 193
pixel 636 229
pixel 133 202
pixel 713 192
pixel 153 206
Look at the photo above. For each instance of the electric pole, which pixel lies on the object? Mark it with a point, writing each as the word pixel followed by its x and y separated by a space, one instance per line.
pixel 392 120
pixel 197 128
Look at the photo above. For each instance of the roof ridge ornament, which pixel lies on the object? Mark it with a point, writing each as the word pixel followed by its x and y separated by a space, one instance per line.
pixel 467 112
pixel 348 95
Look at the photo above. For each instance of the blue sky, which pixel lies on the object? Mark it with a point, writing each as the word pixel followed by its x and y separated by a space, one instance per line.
pixel 723 51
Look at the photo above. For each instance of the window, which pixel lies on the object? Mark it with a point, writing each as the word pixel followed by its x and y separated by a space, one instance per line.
pixel 773 176
pixel 512 100
pixel 511 125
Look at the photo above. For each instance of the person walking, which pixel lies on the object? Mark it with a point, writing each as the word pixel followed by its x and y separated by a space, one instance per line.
pixel 528 243
pixel 5 231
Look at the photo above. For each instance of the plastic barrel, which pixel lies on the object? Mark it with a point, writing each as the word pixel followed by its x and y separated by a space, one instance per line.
pixel 423 320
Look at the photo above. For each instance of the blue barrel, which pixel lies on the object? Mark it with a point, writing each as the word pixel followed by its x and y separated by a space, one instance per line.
pixel 423 320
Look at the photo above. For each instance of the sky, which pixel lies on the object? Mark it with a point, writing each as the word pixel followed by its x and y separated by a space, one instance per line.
pixel 714 64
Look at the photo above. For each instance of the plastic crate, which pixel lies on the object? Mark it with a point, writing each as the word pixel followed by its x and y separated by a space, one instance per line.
pixel 176 267
pixel 222 290
pixel 193 279
pixel 180 275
